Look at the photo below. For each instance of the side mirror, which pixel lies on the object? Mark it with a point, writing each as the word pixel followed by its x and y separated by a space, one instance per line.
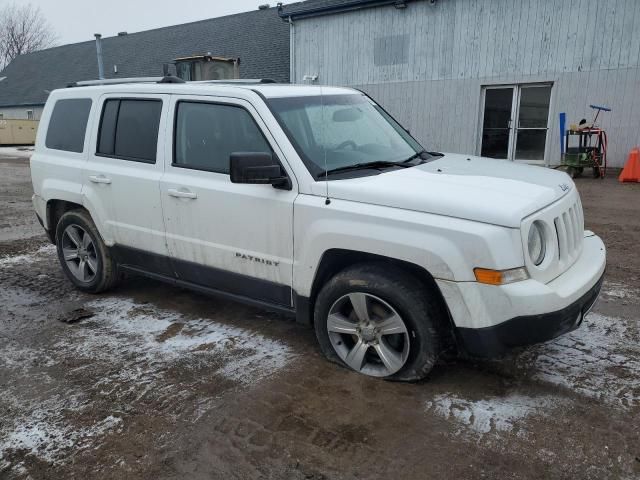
pixel 257 168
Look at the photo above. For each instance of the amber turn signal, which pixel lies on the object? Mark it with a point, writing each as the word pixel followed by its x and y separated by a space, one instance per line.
pixel 500 277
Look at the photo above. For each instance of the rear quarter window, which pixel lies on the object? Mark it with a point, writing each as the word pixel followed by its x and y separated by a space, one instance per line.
pixel 68 125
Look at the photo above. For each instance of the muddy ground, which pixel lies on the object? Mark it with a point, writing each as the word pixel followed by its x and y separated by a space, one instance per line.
pixel 155 382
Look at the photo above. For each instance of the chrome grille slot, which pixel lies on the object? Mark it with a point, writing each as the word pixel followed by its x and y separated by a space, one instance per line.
pixel 570 237
pixel 570 231
pixel 577 233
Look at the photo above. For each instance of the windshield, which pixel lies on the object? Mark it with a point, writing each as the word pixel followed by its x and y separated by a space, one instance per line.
pixel 351 129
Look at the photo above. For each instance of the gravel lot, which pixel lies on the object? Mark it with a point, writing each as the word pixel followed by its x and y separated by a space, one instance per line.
pixel 155 382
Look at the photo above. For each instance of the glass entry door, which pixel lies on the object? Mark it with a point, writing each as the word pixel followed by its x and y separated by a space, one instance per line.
pixel 515 122
pixel 496 126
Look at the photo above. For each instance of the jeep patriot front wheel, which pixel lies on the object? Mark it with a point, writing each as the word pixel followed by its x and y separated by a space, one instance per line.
pixel 378 321
pixel 368 334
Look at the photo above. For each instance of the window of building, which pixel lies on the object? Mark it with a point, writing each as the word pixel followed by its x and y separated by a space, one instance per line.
pixel 29 114
pixel 207 134
pixel 68 125
pixel 129 129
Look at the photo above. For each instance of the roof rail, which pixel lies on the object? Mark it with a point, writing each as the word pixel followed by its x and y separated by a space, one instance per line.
pixel 240 81
pixel 167 79
pixel 120 81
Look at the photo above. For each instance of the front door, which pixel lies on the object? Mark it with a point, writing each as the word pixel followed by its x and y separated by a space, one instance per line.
pixel 235 238
pixel 515 122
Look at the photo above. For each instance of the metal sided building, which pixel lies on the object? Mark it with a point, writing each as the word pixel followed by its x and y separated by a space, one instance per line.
pixel 483 77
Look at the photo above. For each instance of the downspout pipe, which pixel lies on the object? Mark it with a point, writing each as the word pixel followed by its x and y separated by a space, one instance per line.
pixel 292 51
pixel 99 55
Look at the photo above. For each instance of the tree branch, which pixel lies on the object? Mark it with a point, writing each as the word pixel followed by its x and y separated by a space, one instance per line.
pixel 23 29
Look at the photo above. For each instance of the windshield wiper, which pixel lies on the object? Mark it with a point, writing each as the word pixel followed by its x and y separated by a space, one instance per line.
pixel 423 155
pixel 364 165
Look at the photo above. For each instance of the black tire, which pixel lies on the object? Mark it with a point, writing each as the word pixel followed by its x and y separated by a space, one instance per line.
pixel 106 275
pixel 420 310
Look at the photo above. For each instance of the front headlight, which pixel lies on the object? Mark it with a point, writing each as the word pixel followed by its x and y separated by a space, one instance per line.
pixel 536 243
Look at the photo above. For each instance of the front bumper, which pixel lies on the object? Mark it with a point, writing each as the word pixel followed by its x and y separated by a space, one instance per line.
pixel 492 319
pixel 527 330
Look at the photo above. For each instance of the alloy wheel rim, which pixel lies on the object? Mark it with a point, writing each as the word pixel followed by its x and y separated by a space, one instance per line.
pixel 79 253
pixel 368 334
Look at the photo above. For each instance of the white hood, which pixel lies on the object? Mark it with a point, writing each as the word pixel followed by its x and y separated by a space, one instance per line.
pixel 499 192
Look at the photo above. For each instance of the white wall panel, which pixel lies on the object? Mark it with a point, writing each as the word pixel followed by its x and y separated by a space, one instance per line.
pixel 589 49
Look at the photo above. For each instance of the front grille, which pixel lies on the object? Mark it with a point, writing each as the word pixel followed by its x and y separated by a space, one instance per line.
pixel 570 232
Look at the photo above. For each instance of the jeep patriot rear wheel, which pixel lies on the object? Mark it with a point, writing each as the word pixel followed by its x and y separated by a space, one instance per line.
pixel 379 321
pixel 84 257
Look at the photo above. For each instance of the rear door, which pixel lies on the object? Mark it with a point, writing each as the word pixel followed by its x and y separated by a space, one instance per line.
pixel 231 237
pixel 123 175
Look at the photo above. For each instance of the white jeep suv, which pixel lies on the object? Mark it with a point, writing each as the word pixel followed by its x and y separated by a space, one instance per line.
pixel 313 201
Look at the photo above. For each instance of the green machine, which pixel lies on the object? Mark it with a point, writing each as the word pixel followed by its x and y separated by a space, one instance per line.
pixel 585 146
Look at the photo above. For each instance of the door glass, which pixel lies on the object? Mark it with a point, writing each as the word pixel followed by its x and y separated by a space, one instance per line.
pixel 534 107
pixel 531 144
pixel 532 123
pixel 207 134
pixel 496 122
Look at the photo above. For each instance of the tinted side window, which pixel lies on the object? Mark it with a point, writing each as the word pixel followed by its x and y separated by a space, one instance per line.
pixel 207 134
pixel 107 140
pixel 68 125
pixel 129 129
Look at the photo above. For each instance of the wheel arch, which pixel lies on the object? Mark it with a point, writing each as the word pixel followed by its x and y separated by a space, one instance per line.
pixel 336 260
pixel 55 209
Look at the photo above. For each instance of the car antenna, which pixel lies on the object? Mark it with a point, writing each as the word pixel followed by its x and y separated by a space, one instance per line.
pixel 327 200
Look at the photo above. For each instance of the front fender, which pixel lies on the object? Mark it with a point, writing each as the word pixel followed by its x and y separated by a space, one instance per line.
pixel 448 248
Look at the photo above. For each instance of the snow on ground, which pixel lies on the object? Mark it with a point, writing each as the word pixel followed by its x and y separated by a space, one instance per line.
pixel 45 433
pixel 28 258
pixel 493 414
pixel 125 328
pixel 620 291
pixel 41 423
pixel 132 346
pixel 23 152
pixel 600 360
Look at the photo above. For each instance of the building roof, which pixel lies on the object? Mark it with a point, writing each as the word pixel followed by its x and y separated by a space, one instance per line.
pixel 259 38
pixel 314 8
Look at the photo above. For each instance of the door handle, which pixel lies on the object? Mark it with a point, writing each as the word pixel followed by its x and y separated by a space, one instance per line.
pixel 174 192
pixel 99 179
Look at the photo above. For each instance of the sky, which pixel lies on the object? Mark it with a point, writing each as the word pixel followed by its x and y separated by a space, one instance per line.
pixel 77 20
